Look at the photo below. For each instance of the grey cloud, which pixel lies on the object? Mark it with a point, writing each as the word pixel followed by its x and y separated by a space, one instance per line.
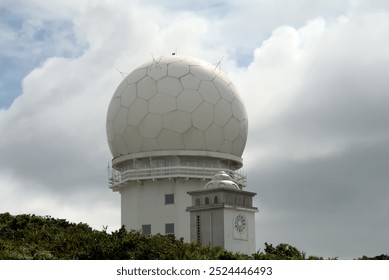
pixel 324 206
pixel 331 203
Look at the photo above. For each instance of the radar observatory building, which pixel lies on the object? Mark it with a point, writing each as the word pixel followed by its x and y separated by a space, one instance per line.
pixel 172 125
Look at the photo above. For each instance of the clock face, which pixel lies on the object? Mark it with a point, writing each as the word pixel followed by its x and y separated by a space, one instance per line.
pixel 240 224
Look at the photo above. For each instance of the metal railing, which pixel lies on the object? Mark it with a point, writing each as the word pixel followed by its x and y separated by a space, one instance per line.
pixel 117 177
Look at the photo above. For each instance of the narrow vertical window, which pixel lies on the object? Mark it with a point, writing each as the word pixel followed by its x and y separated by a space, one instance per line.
pixel 206 201
pixel 216 200
pixel 198 229
pixel 198 202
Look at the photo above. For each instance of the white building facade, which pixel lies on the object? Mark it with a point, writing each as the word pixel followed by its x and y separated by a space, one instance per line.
pixel 222 215
pixel 172 124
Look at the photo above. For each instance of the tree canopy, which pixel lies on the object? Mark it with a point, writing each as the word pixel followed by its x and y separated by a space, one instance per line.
pixel 26 237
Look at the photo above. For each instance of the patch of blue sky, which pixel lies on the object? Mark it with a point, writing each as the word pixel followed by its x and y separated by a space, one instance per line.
pixel 18 58
pixel 214 8
pixel 8 18
pixel 9 81
pixel 244 59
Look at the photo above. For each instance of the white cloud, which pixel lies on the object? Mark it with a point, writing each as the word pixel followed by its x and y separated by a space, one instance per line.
pixel 53 10
pixel 322 95
pixel 21 196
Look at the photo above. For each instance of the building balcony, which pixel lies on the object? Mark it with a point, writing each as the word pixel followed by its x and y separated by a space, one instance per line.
pixel 119 177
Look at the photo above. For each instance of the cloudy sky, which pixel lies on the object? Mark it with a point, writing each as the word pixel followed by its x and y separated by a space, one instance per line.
pixel 314 76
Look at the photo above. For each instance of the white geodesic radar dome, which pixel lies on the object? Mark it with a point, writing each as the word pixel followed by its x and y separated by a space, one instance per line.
pixel 176 105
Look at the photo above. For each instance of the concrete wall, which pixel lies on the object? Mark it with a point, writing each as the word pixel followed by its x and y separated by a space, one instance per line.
pixel 144 203
pixel 211 227
pixel 244 243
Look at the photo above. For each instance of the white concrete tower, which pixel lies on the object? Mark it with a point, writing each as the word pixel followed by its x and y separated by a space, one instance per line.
pixel 172 124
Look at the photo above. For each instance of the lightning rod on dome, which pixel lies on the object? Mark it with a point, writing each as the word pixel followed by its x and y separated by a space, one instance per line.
pixel 156 63
pixel 123 74
pixel 218 65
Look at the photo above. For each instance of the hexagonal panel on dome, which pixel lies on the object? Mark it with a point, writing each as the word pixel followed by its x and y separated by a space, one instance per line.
pixel 150 144
pixel 198 71
pixel 209 92
pixel 128 96
pixel 238 146
pixel 136 75
pixel 223 112
pixel 146 88
pixel 214 137
pixel 170 140
pixel 178 121
pixel 223 76
pixel 133 139
pixel 238 110
pixel 236 92
pixel 190 82
pixel 119 147
pixel 194 139
pixel 110 130
pixel 121 88
pixel 224 89
pixel 137 112
pixel 120 121
pixel 169 85
pixel 244 129
pixel 162 104
pixel 188 100
pixel 150 126
pixel 232 129
pixel 226 147
pixel 157 70
pixel 170 59
pixel 113 108
pixel 203 116
pixel 178 69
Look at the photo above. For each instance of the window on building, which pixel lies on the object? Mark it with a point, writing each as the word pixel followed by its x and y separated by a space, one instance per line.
pixel 169 228
pixel 198 230
pixel 239 200
pixel 198 202
pixel 216 200
pixel 206 201
pixel 146 229
pixel 169 198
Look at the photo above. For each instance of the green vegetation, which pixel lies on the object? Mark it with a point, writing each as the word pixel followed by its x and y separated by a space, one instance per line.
pixel 33 237
pixel 380 257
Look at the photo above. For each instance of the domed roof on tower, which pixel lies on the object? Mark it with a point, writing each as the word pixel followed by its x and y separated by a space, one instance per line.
pixel 221 180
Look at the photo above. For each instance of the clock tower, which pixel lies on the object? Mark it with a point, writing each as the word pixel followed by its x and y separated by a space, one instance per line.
pixel 222 215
